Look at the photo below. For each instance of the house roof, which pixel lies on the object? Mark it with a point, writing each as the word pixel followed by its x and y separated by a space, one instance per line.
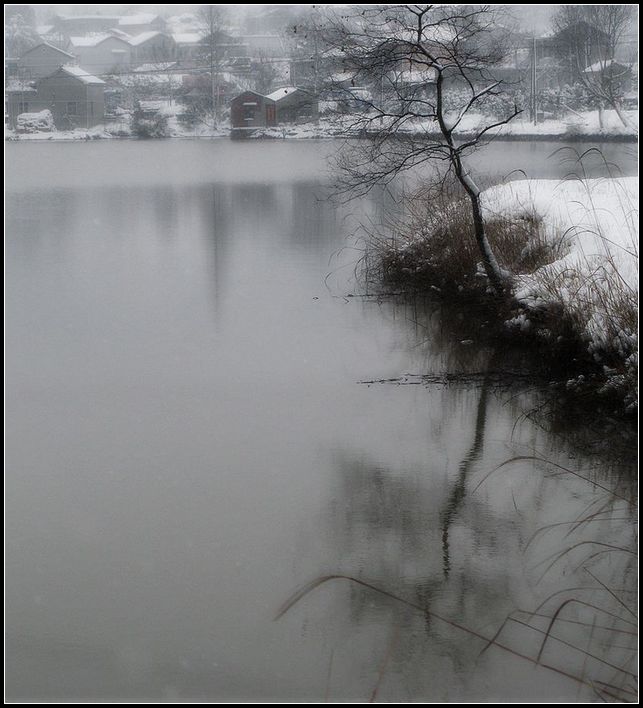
pixel 187 37
pixel 145 37
pixel 77 73
pixel 282 93
pixel 602 65
pixel 51 46
pixel 88 17
pixel 93 40
pixel 143 18
pixel 17 86
pixel 158 66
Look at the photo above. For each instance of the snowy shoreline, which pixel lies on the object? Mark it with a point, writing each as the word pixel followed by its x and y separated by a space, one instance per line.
pixel 575 306
pixel 582 128
pixel 518 137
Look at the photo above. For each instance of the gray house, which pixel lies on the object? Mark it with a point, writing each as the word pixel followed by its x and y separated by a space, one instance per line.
pixel 75 98
pixel 293 105
pixel 285 105
pixel 42 60
pixel 101 54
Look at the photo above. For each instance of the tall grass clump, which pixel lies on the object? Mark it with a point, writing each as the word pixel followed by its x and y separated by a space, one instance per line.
pixel 431 248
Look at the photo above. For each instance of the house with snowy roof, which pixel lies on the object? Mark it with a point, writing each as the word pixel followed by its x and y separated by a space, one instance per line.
pixel 283 106
pixel 42 60
pixel 152 46
pixel 101 53
pixel 84 24
pixel 141 22
pixel 293 105
pixel 75 97
pixel 188 46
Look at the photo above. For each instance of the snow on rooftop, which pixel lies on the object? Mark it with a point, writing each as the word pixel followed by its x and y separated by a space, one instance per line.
pixel 91 40
pixel 187 37
pixel 81 74
pixel 88 17
pixel 159 66
pixel 144 37
pixel 51 46
pixel 602 65
pixel 281 93
pixel 144 18
pixel 18 86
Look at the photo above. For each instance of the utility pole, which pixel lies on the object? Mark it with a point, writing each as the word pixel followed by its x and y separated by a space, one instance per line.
pixel 534 100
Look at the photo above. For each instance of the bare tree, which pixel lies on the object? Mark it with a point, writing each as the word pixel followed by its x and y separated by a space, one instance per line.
pixel 212 19
pixel 416 59
pixel 592 34
pixel 19 30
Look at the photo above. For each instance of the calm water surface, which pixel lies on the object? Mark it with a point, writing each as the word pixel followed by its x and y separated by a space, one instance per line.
pixel 188 445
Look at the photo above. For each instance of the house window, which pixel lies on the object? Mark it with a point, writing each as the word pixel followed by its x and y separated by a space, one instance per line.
pixel 248 113
pixel 23 107
pixel 91 109
pixel 72 108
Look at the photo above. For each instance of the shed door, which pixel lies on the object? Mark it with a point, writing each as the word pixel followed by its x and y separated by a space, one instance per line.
pixel 270 115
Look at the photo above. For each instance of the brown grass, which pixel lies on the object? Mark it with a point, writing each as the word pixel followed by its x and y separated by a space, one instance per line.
pixel 432 246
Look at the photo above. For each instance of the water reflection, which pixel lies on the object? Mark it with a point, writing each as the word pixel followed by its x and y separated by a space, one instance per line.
pixel 458 488
pixel 187 444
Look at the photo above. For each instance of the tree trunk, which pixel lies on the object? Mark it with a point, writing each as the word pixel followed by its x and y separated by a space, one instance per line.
pixel 498 278
pixel 624 119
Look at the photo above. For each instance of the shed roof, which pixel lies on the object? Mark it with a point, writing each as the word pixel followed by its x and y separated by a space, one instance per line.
pixel 603 65
pixel 77 73
pixel 93 40
pixel 187 37
pixel 145 37
pixel 158 66
pixel 50 46
pixel 143 18
pixel 282 93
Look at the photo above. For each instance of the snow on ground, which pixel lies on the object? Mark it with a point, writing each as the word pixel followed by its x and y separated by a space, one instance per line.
pixel 573 124
pixel 597 220
pixel 97 133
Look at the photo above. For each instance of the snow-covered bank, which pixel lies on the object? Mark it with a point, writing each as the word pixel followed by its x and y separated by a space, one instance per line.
pixel 97 133
pixel 571 251
pixel 576 126
pixel 594 283
pixel 586 123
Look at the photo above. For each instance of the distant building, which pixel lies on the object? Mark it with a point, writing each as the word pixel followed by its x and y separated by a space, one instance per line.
pixel 101 54
pixel 143 22
pixel 42 60
pixel 187 46
pixel 252 110
pixel 286 105
pixel 78 25
pixel 293 105
pixel 263 45
pixel 75 98
pixel 562 54
pixel 618 75
pixel 20 97
pixel 152 47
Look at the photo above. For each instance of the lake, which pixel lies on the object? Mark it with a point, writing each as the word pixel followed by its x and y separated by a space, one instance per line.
pixel 189 444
